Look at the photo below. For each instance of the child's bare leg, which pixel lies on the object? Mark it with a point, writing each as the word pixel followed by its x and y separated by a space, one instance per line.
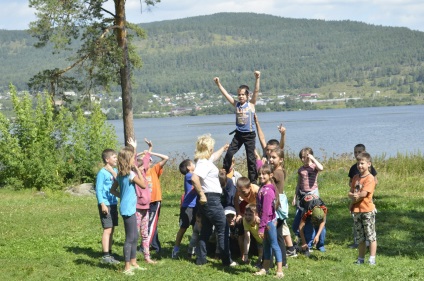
pixel 362 249
pixel 373 248
pixel 106 239
pixel 280 273
pixel 288 241
pixel 179 236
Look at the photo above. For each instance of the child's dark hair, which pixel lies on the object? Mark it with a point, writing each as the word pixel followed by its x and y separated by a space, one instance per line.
pixel 305 150
pixel 246 89
pixel 267 169
pixel 251 207
pixel 360 145
pixel 273 142
pixel 280 154
pixel 222 178
pixel 184 166
pixel 243 182
pixel 107 153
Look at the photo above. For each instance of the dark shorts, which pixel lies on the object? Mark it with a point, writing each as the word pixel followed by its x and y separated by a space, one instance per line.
pixel 187 217
pixel 110 219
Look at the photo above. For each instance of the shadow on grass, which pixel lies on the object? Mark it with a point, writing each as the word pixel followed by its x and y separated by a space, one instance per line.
pixel 94 257
pixel 399 226
pixel 84 250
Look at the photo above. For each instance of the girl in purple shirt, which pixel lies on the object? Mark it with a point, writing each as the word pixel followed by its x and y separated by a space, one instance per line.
pixel 266 206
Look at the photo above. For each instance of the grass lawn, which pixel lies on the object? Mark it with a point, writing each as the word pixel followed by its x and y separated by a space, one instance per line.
pixel 56 236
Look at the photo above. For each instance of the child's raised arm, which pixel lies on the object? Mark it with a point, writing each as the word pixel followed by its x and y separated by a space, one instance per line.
pixel 256 90
pixel 261 135
pixel 317 163
pixel 215 156
pixel 162 156
pixel 282 131
pixel 224 92
pixel 133 143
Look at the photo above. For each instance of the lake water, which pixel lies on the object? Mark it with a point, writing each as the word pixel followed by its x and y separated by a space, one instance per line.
pixel 383 130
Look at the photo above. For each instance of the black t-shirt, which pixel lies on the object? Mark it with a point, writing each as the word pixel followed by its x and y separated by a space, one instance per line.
pixel 354 171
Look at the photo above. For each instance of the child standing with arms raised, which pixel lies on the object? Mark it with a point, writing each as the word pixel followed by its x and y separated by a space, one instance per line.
pixel 126 180
pixel 245 133
pixel 266 206
pixel 361 192
pixel 152 177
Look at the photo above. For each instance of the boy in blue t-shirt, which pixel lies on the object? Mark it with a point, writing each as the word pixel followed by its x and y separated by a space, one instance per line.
pixel 245 132
pixel 188 206
pixel 107 203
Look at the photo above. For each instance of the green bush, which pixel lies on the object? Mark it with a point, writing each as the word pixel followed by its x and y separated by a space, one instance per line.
pixel 41 148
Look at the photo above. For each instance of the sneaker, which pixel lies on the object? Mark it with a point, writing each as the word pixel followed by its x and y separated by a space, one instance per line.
pixel 291 253
pixel 359 262
pixel 307 253
pixel 353 246
pixel 109 260
pixel 372 262
pixel 116 261
pixel 322 249
pixel 174 254
pixel 232 264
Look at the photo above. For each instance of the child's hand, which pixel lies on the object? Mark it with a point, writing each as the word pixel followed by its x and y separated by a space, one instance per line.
pixel 257 74
pixel 226 146
pixel 132 142
pixel 281 129
pixel 149 143
pixel 105 211
pixel 261 235
pixel 257 220
pixel 216 79
pixel 239 219
pixel 203 199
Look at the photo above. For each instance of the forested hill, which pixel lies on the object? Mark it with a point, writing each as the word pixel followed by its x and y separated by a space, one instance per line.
pixel 184 55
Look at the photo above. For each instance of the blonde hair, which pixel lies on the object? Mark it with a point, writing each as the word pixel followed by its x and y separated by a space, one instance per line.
pixel 124 160
pixel 204 147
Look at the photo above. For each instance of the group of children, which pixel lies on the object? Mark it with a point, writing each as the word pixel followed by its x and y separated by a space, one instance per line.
pixel 251 210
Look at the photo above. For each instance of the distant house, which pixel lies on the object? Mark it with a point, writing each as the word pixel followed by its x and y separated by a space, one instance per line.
pixel 308 96
pixel 70 94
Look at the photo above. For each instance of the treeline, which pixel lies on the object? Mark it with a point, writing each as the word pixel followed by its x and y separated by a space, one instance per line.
pixel 293 54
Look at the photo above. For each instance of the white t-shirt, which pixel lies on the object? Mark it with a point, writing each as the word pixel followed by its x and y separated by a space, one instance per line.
pixel 208 174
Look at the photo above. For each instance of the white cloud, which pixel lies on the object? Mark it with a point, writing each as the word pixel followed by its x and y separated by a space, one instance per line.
pixel 408 13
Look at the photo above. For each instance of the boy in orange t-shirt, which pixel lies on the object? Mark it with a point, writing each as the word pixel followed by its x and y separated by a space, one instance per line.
pixel 363 208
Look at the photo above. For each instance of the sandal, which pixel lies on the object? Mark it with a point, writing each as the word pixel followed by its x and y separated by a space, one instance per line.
pixel 279 275
pixel 137 267
pixel 128 272
pixel 149 261
pixel 260 272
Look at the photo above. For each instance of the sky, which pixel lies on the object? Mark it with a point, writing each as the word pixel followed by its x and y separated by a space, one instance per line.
pixel 16 15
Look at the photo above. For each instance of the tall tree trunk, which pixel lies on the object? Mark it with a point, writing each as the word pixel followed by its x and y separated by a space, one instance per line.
pixel 125 71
